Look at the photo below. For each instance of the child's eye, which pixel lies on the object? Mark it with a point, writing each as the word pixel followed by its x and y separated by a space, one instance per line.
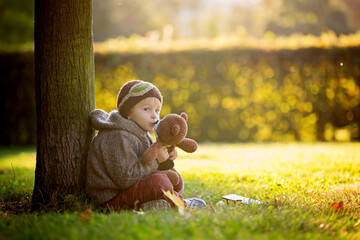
pixel 146 109
pixel 157 110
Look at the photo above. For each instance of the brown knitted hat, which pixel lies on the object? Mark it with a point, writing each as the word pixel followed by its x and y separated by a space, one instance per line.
pixel 133 92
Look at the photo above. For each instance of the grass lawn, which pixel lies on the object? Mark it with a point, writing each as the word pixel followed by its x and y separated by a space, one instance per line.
pixel 298 183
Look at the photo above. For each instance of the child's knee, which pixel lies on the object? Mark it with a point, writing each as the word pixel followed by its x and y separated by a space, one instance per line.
pixel 161 182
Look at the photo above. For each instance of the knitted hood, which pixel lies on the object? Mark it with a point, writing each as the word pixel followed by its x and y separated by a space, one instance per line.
pixel 101 120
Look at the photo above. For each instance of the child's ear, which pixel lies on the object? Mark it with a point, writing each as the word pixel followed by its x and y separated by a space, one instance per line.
pixel 175 130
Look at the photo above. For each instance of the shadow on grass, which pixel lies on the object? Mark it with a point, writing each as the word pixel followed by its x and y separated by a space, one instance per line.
pixel 16 185
pixel 11 151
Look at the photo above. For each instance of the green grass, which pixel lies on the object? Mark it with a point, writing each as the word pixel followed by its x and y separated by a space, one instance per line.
pixel 305 178
pixel 17 171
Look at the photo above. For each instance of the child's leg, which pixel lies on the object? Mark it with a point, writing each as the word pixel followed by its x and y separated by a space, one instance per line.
pixel 144 190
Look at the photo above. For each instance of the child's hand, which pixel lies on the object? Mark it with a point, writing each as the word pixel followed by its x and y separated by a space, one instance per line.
pixel 163 154
pixel 172 153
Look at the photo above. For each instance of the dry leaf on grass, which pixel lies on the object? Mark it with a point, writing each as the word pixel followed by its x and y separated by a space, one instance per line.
pixel 339 206
pixel 86 216
pixel 180 204
pixel 277 203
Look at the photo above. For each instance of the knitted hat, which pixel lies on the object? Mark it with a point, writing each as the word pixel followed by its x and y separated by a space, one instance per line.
pixel 133 92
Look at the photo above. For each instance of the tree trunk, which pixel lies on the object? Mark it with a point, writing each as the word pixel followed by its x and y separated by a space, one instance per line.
pixel 64 87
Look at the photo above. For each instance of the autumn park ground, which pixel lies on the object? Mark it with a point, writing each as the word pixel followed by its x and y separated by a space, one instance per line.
pixel 309 191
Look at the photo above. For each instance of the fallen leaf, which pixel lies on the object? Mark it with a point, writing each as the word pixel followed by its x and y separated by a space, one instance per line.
pixel 180 204
pixel 277 203
pixel 336 206
pixel 339 206
pixel 86 216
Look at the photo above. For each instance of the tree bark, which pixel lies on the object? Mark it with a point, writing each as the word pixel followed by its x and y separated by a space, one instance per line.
pixel 64 87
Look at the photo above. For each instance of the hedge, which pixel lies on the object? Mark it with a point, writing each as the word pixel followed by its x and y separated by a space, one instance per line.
pixel 17 97
pixel 232 95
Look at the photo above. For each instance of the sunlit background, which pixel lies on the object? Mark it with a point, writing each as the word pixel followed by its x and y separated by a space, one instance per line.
pixel 244 70
pixel 214 18
pixel 196 19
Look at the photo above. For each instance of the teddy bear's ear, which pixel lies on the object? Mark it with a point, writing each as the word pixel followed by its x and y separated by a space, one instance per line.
pixel 184 115
pixel 175 130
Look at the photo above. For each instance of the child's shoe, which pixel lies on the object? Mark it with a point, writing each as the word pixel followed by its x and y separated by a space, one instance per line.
pixel 196 203
pixel 155 204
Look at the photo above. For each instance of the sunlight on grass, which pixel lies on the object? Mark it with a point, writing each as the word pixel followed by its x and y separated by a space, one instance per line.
pixel 17 173
pixel 241 159
pixel 298 183
pixel 18 158
pixel 298 174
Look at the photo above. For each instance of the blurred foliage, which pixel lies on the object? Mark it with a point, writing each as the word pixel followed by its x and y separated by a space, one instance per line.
pixel 309 17
pixel 16 22
pixel 230 94
pixel 217 18
pixel 17 98
pixel 194 19
pixel 113 18
pixel 247 95
pixel 240 39
pixel 214 18
pixel 353 7
pixel 246 83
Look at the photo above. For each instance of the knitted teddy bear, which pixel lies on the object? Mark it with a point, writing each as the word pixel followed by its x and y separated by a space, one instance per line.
pixel 170 131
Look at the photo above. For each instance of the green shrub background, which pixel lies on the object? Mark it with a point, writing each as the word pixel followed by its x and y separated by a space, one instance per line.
pixel 230 95
pixel 247 95
pixel 17 99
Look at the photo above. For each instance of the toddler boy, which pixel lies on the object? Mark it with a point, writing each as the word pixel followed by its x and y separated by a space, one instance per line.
pixel 116 176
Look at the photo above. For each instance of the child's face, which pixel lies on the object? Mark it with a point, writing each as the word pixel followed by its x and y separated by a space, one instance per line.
pixel 146 112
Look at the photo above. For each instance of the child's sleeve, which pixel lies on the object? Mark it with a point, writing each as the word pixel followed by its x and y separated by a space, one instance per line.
pixel 122 163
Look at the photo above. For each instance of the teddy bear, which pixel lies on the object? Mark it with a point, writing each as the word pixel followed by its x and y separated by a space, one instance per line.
pixel 170 131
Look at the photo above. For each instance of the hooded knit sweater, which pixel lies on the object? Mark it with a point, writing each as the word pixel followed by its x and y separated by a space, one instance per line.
pixel 114 160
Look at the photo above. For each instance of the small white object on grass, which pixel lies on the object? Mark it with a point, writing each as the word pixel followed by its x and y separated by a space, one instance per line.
pixel 236 198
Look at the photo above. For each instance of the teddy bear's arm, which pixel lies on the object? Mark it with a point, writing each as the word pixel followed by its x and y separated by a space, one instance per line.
pixel 188 145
